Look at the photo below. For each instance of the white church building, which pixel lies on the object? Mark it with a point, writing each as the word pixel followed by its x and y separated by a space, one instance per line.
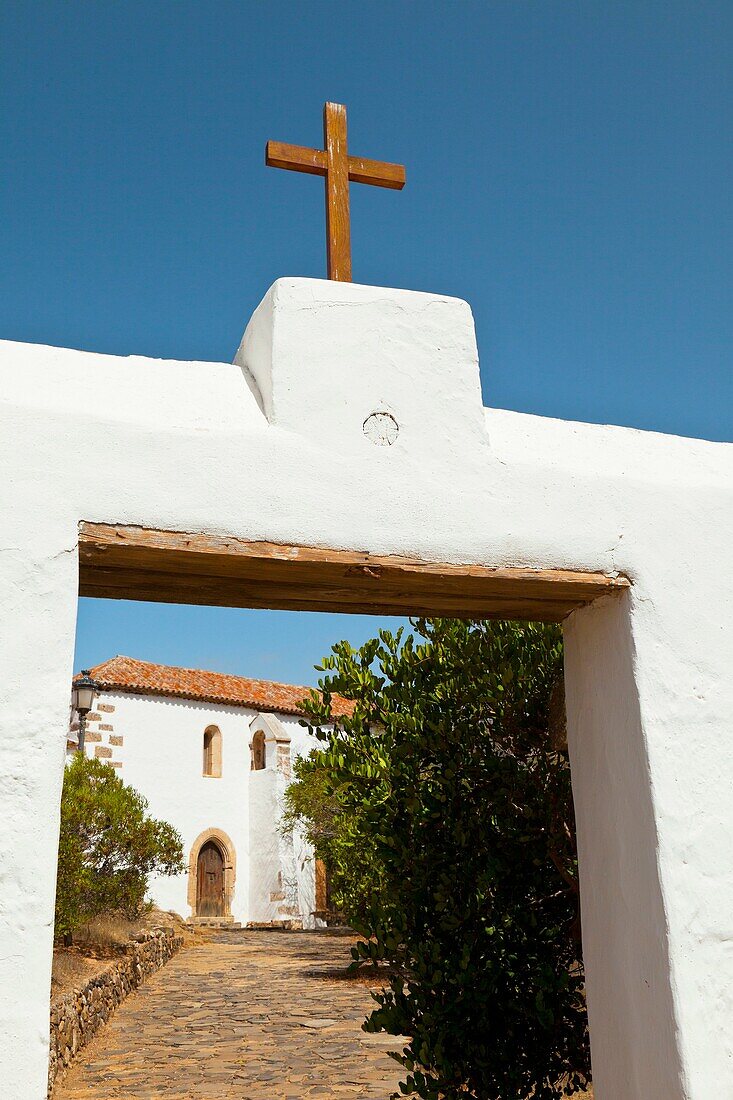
pixel 213 755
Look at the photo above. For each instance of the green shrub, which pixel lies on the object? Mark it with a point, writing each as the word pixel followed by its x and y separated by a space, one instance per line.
pixel 108 846
pixel 444 813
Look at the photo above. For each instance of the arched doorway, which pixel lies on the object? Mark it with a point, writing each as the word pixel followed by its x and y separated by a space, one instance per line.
pixel 210 881
pixel 222 864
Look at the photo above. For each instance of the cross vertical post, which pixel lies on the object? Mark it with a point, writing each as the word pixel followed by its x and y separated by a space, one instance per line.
pixel 338 226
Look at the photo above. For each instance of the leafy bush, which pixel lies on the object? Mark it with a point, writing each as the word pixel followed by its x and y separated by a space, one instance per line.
pixel 443 809
pixel 108 846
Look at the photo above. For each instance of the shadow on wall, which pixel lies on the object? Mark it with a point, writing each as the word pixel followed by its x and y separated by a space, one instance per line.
pixel 617 842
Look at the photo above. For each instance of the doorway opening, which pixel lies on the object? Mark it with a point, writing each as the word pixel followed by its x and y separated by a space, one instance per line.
pixel 174 568
pixel 210 881
pixel 212 877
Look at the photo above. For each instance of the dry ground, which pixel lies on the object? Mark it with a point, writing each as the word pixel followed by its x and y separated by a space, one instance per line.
pixel 105 939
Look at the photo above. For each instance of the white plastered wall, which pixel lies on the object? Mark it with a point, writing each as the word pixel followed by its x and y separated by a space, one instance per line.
pixel 188 446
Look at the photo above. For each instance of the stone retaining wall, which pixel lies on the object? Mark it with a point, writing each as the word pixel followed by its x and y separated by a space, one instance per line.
pixel 76 1016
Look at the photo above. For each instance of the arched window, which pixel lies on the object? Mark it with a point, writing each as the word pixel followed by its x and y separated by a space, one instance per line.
pixel 258 752
pixel 212 751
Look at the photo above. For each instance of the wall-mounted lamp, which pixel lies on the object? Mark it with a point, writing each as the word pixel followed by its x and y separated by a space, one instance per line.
pixel 83 692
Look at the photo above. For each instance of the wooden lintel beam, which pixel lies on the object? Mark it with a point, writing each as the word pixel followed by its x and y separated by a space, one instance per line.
pixel 172 567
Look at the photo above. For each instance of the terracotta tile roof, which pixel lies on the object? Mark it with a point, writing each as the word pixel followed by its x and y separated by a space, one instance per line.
pixel 145 678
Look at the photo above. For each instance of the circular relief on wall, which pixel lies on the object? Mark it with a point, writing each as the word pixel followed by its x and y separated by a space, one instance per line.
pixel 381 429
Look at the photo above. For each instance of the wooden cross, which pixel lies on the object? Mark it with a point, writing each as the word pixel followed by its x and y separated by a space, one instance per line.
pixel 334 162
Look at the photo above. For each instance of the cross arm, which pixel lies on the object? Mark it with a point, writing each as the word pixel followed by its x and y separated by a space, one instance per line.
pixel 296 157
pixel 377 172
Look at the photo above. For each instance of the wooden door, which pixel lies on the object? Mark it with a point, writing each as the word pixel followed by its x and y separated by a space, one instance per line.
pixel 210 882
pixel 321 888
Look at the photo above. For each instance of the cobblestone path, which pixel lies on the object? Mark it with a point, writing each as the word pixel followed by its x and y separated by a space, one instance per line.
pixel 247 1016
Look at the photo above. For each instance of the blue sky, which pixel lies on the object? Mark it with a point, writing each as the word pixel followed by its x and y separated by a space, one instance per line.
pixel 569 173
